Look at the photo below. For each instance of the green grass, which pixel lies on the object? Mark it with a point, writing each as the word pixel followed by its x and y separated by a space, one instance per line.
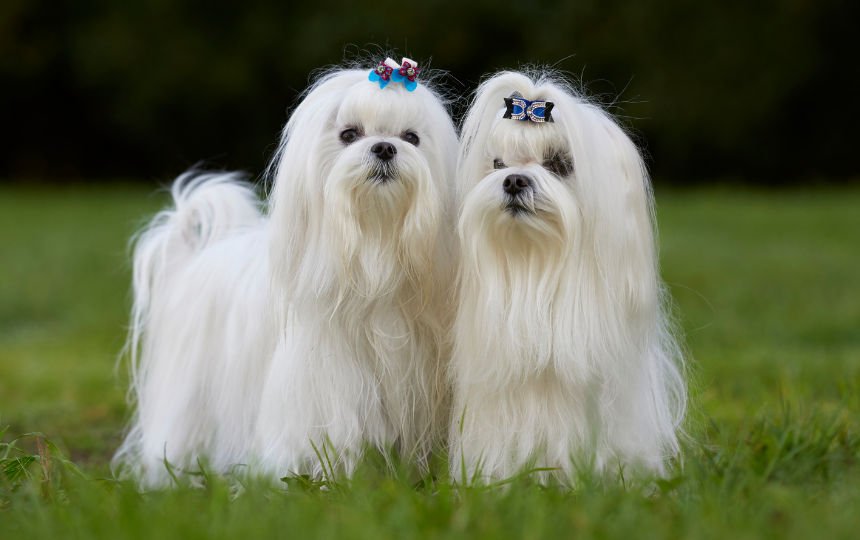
pixel 768 292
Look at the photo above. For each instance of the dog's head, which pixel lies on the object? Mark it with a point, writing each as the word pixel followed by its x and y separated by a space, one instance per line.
pixel 555 227
pixel 573 177
pixel 361 185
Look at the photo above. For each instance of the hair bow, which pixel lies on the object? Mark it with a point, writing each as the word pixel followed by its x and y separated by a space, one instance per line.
pixel 407 74
pixel 525 110
pixel 389 70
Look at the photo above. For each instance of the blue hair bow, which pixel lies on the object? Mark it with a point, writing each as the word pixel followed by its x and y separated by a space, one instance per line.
pixel 525 110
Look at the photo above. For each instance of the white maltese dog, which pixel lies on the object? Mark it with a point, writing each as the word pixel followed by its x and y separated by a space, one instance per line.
pixel 257 337
pixel 563 353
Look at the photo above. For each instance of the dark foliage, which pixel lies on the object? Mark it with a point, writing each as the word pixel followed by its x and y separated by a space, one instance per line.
pixel 144 88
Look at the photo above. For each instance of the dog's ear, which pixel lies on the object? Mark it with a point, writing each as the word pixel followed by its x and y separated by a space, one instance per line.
pixel 615 198
pixel 627 327
pixel 487 106
pixel 296 199
pixel 635 211
pixel 628 191
pixel 440 150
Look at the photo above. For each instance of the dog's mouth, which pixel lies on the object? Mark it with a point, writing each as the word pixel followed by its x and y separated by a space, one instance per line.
pixel 517 207
pixel 383 172
pixel 382 178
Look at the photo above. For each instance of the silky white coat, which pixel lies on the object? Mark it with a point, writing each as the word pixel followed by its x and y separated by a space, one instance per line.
pixel 321 320
pixel 564 356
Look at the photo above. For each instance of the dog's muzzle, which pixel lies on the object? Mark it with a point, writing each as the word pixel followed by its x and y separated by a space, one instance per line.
pixel 382 161
pixel 517 188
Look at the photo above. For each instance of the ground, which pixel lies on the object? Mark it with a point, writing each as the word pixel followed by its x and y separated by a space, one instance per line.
pixel 767 289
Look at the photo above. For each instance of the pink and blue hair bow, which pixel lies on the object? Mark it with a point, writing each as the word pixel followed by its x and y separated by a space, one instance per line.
pixel 389 70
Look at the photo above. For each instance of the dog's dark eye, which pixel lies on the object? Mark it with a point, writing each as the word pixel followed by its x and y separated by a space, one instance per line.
pixel 411 138
pixel 349 136
pixel 499 164
pixel 560 165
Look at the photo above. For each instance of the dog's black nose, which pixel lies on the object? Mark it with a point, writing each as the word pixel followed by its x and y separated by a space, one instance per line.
pixel 515 183
pixel 384 150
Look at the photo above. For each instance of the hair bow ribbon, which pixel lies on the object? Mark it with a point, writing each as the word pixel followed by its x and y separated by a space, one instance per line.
pixel 389 70
pixel 525 110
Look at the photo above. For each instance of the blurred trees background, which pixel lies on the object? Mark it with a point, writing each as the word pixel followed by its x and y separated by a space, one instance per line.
pixel 751 90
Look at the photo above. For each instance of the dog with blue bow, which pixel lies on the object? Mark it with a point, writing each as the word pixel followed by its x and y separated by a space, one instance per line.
pixel 564 354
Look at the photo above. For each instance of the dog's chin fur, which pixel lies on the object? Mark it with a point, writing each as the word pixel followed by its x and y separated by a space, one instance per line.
pixel 563 353
pixel 255 337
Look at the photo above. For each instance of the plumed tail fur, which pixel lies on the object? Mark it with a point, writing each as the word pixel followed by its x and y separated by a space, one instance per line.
pixel 207 207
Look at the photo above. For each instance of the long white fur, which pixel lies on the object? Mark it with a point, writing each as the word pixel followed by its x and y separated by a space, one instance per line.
pixel 564 355
pixel 254 334
pixel 359 275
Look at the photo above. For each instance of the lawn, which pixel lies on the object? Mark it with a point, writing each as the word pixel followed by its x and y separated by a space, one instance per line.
pixel 767 287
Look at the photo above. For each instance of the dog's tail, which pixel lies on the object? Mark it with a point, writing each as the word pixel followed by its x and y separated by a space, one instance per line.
pixel 207 208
